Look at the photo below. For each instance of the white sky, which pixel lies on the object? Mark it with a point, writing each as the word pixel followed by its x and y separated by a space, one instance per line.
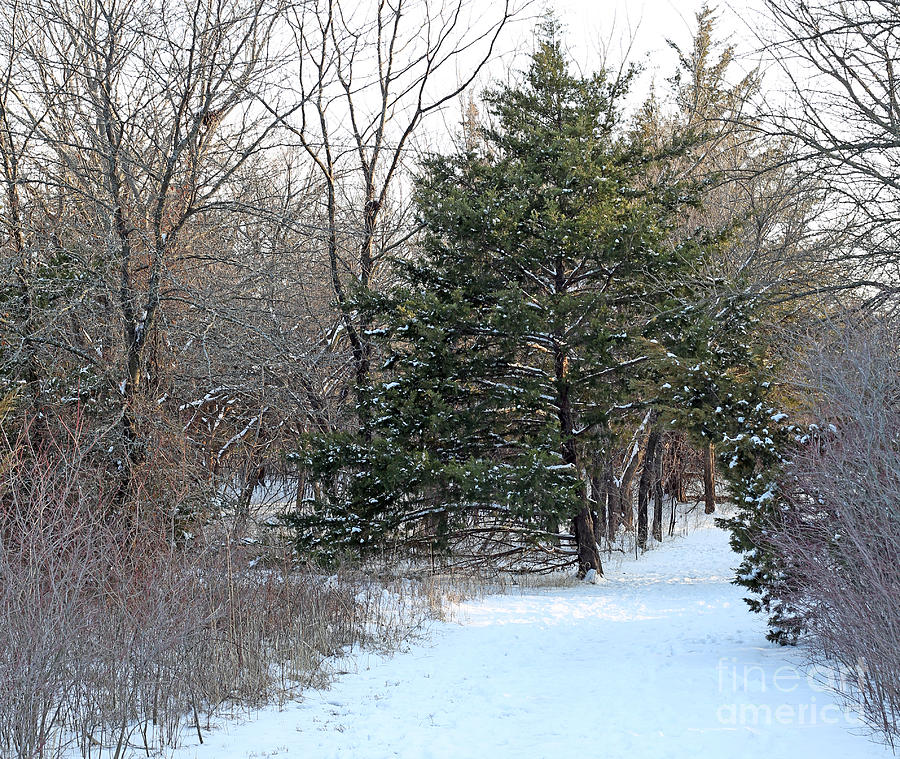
pixel 592 28
pixel 592 25
pixel 595 26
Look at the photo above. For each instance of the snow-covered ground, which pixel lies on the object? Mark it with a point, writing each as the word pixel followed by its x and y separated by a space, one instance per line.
pixel 661 659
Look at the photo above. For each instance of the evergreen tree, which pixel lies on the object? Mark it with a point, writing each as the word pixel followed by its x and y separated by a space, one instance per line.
pixel 719 384
pixel 526 320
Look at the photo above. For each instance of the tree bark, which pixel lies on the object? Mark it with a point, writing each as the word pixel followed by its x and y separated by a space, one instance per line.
pixel 709 478
pixel 613 507
pixel 672 515
pixel 583 523
pixel 658 493
pixel 588 552
pixel 625 501
pixel 645 484
pixel 600 481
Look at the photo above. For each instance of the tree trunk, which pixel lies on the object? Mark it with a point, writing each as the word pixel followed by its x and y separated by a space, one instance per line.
pixel 600 488
pixel 301 493
pixel 672 515
pixel 582 523
pixel 709 478
pixel 254 475
pixel 658 493
pixel 627 504
pixel 588 551
pixel 613 509
pixel 645 485
pixel 680 490
pixel 632 462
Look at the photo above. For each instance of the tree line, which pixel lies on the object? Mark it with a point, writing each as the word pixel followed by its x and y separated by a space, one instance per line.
pixel 233 256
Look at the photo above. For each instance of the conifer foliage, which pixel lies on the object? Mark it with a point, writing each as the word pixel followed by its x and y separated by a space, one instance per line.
pixel 530 317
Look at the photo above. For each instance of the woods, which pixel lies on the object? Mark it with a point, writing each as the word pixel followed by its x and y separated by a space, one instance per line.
pixel 301 288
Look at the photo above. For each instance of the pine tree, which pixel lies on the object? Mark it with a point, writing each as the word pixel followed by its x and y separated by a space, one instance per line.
pixel 533 307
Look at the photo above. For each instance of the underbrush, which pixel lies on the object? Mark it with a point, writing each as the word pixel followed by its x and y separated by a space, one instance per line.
pixel 116 639
pixel 838 538
pixel 447 580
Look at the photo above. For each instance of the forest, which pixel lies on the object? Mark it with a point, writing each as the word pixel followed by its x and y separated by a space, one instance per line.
pixel 314 311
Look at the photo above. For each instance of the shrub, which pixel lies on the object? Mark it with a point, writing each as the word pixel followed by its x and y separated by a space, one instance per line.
pixel 839 537
pixel 114 636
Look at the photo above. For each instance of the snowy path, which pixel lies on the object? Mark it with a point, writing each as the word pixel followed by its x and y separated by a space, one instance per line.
pixel 660 660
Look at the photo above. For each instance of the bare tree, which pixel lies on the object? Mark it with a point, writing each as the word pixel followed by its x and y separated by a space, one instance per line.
pixel 842 111
pixel 840 537
pixel 369 76
pixel 149 110
pixel 18 258
pixel 256 361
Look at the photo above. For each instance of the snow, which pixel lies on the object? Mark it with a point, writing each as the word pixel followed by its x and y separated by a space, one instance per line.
pixel 660 659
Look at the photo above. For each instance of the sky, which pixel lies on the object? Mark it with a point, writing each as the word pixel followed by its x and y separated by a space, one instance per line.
pixel 634 29
pixel 593 25
pixel 595 31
